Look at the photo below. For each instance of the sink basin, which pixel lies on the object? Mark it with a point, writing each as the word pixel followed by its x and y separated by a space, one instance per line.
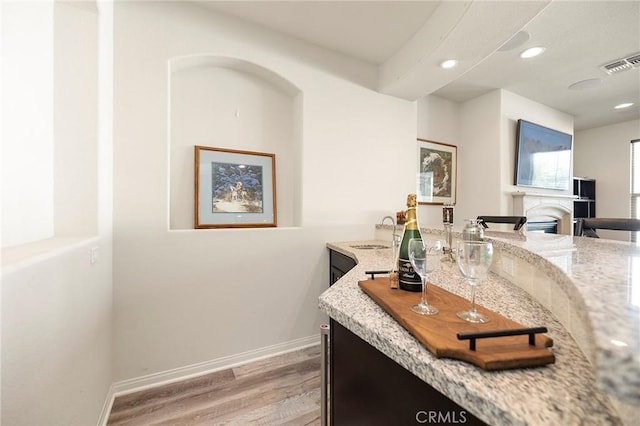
pixel 369 246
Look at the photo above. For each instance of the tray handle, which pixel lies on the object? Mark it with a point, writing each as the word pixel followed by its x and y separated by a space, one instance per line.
pixel 502 333
pixel 374 273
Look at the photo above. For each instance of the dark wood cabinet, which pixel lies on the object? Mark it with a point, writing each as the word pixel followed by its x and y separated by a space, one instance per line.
pixel 369 388
pixel 339 264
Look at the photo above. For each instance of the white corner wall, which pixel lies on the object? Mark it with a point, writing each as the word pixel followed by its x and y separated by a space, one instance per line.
pixel 472 126
pixel 187 297
pixel 484 130
pixel 480 173
pixel 604 154
pixel 438 121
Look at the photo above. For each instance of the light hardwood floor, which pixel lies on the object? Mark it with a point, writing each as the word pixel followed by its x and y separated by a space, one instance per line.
pixel 281 390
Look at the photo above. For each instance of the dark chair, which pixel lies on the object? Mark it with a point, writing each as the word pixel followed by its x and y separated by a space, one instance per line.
pixel 586 227
pixel 517 221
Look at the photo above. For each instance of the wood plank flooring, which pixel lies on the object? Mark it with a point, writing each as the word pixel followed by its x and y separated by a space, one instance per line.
pixel 281 390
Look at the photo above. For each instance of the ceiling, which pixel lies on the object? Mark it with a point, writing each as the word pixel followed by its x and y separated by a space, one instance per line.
pixel 408 39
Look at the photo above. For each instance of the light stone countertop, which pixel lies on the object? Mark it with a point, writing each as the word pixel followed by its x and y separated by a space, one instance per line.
pixel 601 280
pixel 592 279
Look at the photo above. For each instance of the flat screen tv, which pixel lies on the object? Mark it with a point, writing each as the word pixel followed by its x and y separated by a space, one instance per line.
pixel 543 157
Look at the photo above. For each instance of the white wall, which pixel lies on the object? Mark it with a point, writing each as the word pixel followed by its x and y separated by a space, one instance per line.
pixel 438 121
pixel 27 98
pixel 56 304
pixel 480 174
pixel 56 338
pixel 484 130
pixel 183 297
pixel 76 119
pixel 604 154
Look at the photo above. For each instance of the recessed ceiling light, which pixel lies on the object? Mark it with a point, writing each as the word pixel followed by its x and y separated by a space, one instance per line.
pixel 586 84
pixel 624 105
pixel 531 52
pixel 449 63
pixel 619 343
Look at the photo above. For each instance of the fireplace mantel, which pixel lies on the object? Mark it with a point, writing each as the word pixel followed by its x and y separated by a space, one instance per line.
pixel 539 207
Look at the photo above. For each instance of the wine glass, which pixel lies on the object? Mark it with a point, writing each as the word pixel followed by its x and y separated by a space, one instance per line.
pixel 474 260
pixel 425 259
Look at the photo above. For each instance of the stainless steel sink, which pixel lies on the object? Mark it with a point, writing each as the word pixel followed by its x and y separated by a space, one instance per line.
pixel 369 246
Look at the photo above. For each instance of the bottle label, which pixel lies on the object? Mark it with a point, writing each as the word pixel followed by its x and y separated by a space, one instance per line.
pixel 407 277
pixel 406 274
pixel 447 214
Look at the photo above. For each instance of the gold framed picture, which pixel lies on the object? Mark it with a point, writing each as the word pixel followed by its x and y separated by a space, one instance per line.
pixel 234 189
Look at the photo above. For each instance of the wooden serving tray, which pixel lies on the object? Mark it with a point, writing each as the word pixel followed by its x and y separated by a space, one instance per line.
pixel 438 333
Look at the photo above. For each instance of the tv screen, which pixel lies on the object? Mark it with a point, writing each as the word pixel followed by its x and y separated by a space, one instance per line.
pixel 543 157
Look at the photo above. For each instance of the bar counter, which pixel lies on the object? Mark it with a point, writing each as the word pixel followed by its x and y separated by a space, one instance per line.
pixel 581 289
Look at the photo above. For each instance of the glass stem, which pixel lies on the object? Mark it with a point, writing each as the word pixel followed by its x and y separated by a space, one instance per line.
pixel 424 291
pixel 473 300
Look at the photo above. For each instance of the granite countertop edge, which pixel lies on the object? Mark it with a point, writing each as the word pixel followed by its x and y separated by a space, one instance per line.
pixel 462 382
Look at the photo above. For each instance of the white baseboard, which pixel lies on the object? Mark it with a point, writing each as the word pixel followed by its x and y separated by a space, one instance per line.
pixel 181 373
pixel 106 408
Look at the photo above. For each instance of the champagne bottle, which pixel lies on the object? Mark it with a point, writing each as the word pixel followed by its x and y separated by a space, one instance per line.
pixel 409 279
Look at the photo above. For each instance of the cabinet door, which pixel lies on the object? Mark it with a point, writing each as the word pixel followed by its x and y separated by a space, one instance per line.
pixel 369 388
pixel 339 264
pixel 334 275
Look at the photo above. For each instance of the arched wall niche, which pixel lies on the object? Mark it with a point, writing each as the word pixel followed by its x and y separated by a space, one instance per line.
pixel 231 103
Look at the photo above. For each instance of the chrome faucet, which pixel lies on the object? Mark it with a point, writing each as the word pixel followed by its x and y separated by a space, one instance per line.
pixel 395 239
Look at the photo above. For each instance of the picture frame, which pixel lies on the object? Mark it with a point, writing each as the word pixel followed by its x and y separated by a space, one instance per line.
pixel 234 189
pixel 437 177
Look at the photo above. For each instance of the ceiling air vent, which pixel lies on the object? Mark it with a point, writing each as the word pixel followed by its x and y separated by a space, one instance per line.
pixel 634 60
pixel 623 64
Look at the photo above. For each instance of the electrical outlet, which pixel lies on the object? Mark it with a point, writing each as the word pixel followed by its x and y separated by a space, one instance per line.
pixel 93 255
